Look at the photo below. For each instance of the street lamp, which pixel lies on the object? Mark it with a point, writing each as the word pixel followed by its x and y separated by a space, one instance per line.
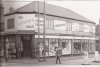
pixel 44 33
pixel 38 34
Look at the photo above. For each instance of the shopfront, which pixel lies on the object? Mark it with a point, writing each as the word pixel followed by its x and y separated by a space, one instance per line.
pixel 21 45
pixel 71 34
pixel 51 43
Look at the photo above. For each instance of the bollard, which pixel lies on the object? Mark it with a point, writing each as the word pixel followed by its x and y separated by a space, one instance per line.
pixel 96 55
pixel 85 58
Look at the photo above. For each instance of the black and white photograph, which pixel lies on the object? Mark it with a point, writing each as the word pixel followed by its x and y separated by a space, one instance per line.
pixel 49 33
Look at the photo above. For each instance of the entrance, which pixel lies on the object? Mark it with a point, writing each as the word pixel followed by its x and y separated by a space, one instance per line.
pixel 26 41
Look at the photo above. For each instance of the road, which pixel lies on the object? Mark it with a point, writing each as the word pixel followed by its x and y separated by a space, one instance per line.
pixel 67 60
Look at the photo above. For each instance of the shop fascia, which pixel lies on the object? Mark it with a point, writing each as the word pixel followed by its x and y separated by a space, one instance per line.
pixel 32 20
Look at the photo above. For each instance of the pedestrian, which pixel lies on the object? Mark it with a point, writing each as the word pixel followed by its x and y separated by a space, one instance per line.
pixel 58 51
pixel 14 53
pixel 35 52
pixel 43 54
pixel 7 55
pixel 38 54
pixel 9 52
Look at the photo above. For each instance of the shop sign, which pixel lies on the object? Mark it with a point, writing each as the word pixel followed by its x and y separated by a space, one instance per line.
pixel 25 22
pixel 59 25
pixel 41 22
pixel 28 22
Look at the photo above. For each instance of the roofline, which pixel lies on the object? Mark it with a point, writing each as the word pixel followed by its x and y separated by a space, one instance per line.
pixel 47 15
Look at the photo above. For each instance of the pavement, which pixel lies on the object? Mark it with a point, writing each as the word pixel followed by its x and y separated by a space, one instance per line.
pixel 66 60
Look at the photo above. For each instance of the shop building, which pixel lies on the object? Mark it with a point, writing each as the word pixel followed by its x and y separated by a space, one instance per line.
pixel 63 27
pixel 98 37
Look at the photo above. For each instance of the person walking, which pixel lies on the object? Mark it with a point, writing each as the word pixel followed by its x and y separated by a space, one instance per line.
pixel 58 54
pixel 39 54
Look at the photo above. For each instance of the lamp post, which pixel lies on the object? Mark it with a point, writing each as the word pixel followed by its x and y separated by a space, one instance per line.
pixel 38 34
pixel 44 33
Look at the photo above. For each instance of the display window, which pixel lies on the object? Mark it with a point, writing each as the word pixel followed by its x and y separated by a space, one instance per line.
pixel 77 47
pixel 52 44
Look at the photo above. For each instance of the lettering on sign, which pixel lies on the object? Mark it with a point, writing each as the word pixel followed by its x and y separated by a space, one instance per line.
pixel 59 25
pixel 20 17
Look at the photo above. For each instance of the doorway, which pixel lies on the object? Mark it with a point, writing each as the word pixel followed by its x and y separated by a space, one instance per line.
pixel 26 42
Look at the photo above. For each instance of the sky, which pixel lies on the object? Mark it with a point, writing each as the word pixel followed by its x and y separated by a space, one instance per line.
pixel 87 8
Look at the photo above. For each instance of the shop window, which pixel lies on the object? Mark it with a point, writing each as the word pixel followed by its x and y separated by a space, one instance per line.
pixel 52 45
pixel 97 41
pixel 92 46
pixel 69 26
pixel 81 27
pixel 64 44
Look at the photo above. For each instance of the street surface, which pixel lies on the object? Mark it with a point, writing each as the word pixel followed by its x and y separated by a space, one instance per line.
pixel 66 60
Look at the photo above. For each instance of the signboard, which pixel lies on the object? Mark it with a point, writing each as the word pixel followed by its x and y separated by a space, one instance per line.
pixel 28 22
pixel 41 22
pixel 25 22
pixel 59 25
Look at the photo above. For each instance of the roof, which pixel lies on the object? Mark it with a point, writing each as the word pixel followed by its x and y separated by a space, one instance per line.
pixel 50 10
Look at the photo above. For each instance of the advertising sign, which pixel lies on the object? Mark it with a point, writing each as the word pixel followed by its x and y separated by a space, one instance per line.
pixel 59 25
pixel 28 22
pixel 25 22
pixel 41 22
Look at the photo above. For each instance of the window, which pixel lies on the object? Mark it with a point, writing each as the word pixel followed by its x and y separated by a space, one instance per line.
pixel 69 26
pixel 1 26
pixel 86 28
pixel 10 23
pixel 51 24
pixel 81 27
pixel 75 27
pixel 97 41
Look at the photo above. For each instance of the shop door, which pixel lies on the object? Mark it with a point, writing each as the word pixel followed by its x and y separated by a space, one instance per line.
pixel 26 41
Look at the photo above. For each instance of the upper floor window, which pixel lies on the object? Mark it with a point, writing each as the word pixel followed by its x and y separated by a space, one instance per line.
pixel 86 28
pixel 10 23
pixel 69 26
pixel 75 26
pixel 81 27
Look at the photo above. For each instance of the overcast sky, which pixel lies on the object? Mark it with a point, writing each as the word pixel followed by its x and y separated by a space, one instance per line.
pixel 87 8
